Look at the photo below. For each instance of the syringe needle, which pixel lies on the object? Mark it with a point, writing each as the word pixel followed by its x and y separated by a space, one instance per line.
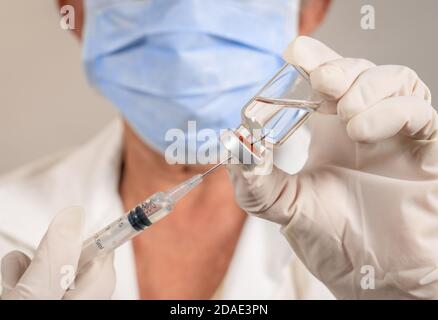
pixel 206 173
pixel 185 187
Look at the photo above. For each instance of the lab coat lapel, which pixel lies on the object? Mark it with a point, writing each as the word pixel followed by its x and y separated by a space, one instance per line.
pixel 87 176
pixel 98 164
pixel 105 204
pixel 260 265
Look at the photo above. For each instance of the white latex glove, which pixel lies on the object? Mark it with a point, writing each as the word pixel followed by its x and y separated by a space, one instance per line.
pixel 367 198
pixel 47 275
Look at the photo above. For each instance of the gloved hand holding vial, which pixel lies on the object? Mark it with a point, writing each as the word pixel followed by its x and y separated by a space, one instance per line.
pixel 367 198
pixel 320 215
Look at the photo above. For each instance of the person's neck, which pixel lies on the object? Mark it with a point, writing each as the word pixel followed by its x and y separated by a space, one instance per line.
pixel 196 242
pixel 145 171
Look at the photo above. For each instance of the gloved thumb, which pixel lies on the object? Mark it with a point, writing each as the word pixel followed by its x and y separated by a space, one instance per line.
pixel 13 265
pixel 258 194
pixel 309 53
pixel 60 248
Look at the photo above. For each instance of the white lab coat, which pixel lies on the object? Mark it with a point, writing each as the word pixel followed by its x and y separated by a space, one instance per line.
pixel 263 265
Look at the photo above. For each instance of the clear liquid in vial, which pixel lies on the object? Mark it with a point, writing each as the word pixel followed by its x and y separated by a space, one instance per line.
pixel 278 117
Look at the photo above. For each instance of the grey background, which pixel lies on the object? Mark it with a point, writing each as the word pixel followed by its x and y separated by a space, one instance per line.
pixel 47 106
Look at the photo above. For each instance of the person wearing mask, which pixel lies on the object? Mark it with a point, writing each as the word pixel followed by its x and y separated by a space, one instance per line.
pixel 163 63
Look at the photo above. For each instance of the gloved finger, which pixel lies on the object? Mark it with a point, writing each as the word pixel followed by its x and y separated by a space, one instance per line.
pixel 248 187
pixel 60 248
pixel 96 280
pixel 258 194
pixel 378 83
pixel 334 78
pixel 411 116
pixel 14 264
pixel 330 74
pixel 309 53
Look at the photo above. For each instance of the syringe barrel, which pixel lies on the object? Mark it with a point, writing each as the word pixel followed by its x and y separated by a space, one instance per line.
pixel 107 239
pixel 125 228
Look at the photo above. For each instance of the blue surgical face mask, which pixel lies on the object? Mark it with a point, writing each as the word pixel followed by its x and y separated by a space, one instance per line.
pixel 166 62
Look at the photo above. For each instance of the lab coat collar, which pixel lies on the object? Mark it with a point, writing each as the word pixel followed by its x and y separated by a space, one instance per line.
pixel 260 265
pixel 86 176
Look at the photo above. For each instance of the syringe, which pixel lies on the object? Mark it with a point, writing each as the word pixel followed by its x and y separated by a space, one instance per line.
pixel 138 219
